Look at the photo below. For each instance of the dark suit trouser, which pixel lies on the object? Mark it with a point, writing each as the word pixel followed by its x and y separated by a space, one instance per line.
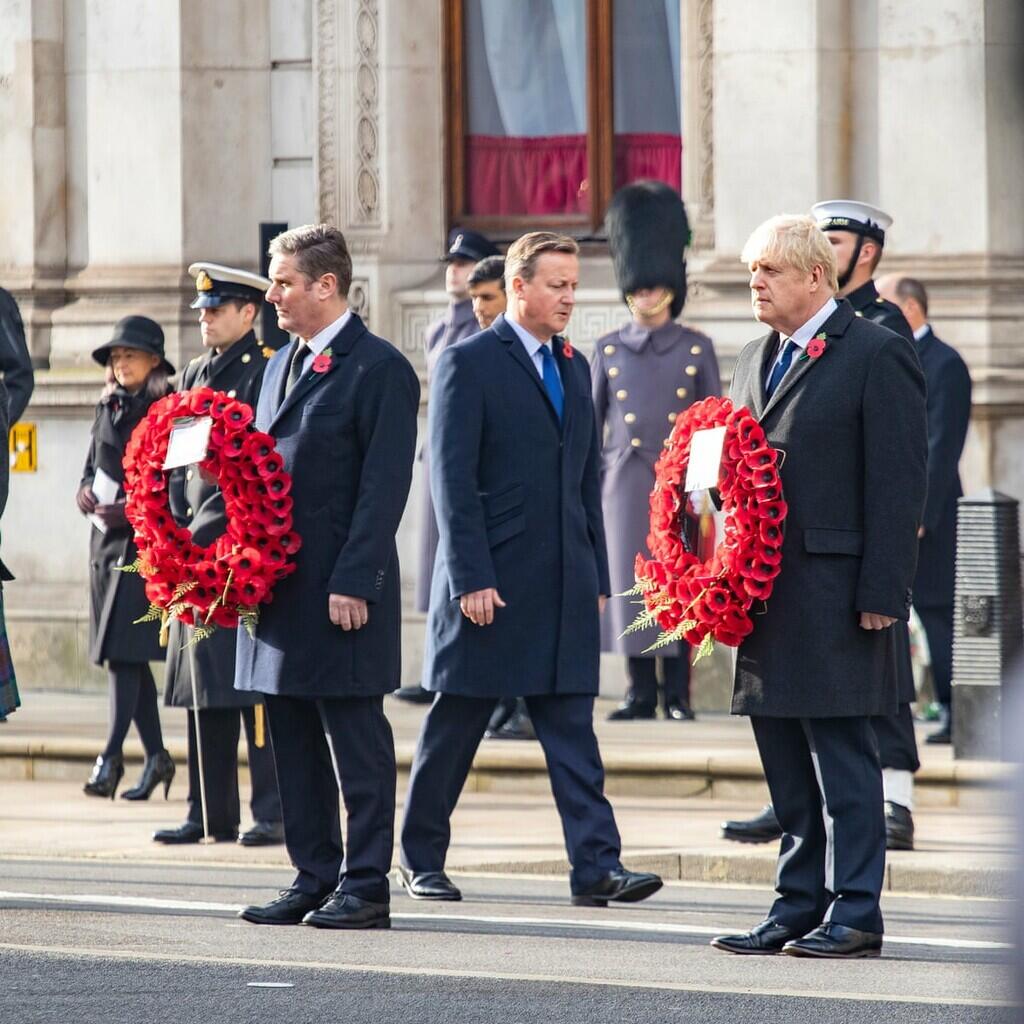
pixel 306 734
pixel 448 740
pixel 220 730
pixel 938 627
pixel 643 679
pixel 826 786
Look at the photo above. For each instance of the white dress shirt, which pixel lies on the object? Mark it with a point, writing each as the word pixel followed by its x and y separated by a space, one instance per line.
pixel 803 335
pixel 532 345
pixel 323 338
pixel 922 331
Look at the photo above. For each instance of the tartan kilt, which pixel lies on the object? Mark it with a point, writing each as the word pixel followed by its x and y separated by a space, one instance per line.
pixel 9 699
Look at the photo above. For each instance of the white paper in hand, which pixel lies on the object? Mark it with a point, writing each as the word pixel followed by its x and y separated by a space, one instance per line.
pixel 105 488
pixel 705 465
pixel 190 439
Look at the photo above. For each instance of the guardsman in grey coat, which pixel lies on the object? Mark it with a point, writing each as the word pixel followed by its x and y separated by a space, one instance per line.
pixel 138 375
pixel 229 300
pixel 15 362
pixel 857 234
pixel 521 574
pixel 644 375
pixel 849 414
pixel 465 250
pixel 341 405
pixel 949 414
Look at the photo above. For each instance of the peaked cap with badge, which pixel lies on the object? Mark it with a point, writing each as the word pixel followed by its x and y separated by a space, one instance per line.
pixel 217 284
pixel 468 245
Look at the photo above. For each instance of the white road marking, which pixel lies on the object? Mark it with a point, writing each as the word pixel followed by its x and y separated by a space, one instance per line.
pixel 580 923
pixel 547 979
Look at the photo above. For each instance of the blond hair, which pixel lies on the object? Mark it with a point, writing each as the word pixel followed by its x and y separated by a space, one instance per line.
pixel 523 253
pixel 795 241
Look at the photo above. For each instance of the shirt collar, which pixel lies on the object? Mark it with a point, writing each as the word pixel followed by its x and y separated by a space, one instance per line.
pixel 533 345
pixel 803 335
pixel 326 335
pixel 922 331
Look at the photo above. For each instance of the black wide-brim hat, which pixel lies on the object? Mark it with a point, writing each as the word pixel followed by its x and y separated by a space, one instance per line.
pixel 135 332
pixel 648 232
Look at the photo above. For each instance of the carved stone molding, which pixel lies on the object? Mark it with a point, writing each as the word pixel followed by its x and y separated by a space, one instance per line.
pixel 698 47
pixel 359 298
pixel 366 195
pixel 325 73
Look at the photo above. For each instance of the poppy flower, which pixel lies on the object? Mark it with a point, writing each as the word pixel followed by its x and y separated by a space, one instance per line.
pixel 321 363
pixel 271 465
pixel 291 542
pixel 238 415
pixel 816 347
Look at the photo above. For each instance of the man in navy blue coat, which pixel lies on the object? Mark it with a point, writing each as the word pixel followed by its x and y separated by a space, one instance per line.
pixel 520 576
pixel 949 413
pixel 341 405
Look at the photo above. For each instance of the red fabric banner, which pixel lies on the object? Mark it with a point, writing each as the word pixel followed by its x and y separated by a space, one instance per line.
pixel 648 155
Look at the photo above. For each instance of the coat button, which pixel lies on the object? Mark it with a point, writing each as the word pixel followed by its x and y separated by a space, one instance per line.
pixel 695 350
pixel 630 417
pixel 189 474
pixel 613 372
pixel 622 394
pixel 635 442
pixel 188 511
pixel 609 350
pixel 691 371
pixel 681 392
pixel 232 393
pixel 671 417
pixel 858 313
pixel 245 359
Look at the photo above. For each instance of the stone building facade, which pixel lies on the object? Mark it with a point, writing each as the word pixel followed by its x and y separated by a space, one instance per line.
pixel 141 136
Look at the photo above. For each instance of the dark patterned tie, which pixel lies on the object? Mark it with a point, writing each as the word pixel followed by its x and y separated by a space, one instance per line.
pixel 780 368
pixel 295 366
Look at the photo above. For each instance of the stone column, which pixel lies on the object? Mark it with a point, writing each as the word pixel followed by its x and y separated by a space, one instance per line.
pixel 32 172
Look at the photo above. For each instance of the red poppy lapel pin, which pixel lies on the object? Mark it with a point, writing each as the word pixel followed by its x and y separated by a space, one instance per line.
pixel 322 362
pixel 567 350
pixel 816 346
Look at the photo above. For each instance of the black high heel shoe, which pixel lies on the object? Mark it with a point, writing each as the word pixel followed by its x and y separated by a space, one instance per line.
pixel 158 768
pixel 107 774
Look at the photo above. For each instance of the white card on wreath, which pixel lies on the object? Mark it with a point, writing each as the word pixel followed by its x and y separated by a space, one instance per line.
pixel 189 441
pixel 705 466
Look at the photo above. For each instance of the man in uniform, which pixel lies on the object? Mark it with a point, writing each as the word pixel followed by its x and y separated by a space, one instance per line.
pixel 644 375
pixel 465 250
pixel 857 233
pixel 228 301
pixel 949 412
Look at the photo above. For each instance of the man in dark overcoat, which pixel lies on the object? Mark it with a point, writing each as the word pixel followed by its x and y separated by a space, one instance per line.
pixel 341 405
pixel 229 300
pixel 849 414
pixel 521 574
pixel 949 414
pixel 15 362
pixel 465 249
pixel 645 375
pixel 856 232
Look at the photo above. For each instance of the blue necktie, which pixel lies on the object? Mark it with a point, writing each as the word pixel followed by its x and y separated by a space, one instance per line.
pixel 552 381
pixel 780 368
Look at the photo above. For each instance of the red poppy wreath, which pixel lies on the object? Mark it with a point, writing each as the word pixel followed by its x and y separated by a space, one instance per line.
pixel 225 582
pixel 704 600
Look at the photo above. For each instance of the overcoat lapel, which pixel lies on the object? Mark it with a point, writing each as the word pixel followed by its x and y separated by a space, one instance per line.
pixel 340 345
pixel 518 352
pixel 765 350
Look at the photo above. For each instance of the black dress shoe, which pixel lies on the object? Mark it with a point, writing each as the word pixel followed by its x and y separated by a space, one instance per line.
pixel 633 711
pixel 290 907
pixel 414 695
pixel 836 941
pixel 343 910
pixel 428 885
pixel 263 833
pixel 762 829
pixel 620 886
pixel 158 769
pixel 943 736
pixel 190 832
pixel 106 776
pixel 764 939
pixel 899 827
pixel 517 727
pixel 678 711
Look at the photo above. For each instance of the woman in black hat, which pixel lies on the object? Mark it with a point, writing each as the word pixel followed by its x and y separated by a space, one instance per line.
pixel 137 375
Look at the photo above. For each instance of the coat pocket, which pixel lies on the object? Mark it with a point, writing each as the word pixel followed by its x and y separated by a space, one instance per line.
pixel 828 541
pixel 498 533
pixel 502 505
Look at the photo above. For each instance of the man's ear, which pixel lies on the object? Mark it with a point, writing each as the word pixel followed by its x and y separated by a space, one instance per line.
pixel 327 285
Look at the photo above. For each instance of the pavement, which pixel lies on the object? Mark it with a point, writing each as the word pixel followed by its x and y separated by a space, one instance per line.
pixel 671 785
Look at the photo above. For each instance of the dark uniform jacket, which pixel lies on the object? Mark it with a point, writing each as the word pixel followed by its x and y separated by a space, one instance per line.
pixel 348 439
pixel 15 362
pixel 457 323
pixel 642 380
pixel 199 506
pixel 949 411
pixel 116 599
pixel 518 500
pixel 853 429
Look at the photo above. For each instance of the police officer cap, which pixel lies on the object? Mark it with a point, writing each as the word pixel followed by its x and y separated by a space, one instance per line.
pixel 216 284
pixel 468 245
pixel 849 215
